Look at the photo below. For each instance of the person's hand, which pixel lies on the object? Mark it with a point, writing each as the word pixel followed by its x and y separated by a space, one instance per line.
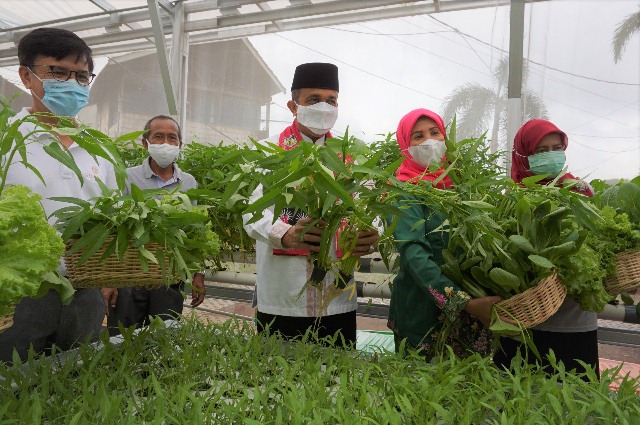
pixel 297 238
pixel 109 296
pixel 366 243
pixel 481 308
pixel 198 291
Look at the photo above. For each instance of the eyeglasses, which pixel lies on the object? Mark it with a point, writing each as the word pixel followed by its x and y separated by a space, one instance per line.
pixel 60 73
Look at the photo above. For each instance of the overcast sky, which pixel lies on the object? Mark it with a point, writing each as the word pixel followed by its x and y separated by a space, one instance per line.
pixel 389 67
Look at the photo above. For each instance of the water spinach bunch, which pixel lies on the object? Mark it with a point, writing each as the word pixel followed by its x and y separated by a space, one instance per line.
pixel 505 237
pixel 338 185
pixel 618 230
pixel 257 379
pixel 115 221
pixel 214 168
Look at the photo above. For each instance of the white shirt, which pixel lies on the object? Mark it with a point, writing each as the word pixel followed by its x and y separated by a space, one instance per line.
pixel 280 279
pixel 60 180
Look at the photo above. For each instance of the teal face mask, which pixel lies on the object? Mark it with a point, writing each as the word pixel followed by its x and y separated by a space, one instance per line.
pixel 547 163
pixel 64 98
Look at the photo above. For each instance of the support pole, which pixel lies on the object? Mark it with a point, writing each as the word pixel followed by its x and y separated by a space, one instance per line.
pixel 179 63
pixel 161 51
pixel 514 88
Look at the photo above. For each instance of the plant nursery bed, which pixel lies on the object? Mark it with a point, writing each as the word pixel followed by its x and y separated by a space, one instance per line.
pixel 201 373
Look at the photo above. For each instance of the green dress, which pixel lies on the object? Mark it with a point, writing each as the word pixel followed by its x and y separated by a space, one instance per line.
pixel 423 300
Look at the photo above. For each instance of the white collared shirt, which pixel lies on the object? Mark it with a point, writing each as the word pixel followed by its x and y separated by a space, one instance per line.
pixel 60 181
pixel 280 279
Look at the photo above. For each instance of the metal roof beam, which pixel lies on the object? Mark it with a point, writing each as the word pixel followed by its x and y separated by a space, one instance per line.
pixel 137 14
pixel 246 31
pixel 265 22
pixel 167 6
pixel 321 21
pixel 126 16
pixel 161 51
pixel 115 18
pixel 81 22
pixel 103 4
pixel 221 22
pixel 102 19
pixel 294 12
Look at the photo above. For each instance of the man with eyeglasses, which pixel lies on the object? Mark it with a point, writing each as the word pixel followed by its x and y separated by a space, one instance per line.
pixel 135 306
pixel 56 66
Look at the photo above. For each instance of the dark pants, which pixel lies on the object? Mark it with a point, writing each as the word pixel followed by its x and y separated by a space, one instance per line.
pixel 291 327
pixel 45 321
pixel 568 347
pixel 137 306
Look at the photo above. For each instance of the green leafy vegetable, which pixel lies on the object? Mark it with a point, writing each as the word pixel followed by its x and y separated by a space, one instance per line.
pixel 216 168
pixel 166 218
pixel 224 373
pixel 505 237
pixel 29 248
pixel 337 183
pixel 625 198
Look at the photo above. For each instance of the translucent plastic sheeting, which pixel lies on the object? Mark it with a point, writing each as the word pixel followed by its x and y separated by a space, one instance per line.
pixel 447 61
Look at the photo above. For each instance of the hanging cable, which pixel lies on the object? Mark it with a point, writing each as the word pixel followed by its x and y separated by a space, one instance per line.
pixel 359 69
pixel 532 61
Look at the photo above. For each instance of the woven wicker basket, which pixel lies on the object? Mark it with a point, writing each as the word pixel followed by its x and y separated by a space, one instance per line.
pixel 536 304
pixel 113 273
pixel 627 275
pixel 6 322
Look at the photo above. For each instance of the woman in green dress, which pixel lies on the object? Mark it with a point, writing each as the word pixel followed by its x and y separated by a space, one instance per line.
pixel 423 300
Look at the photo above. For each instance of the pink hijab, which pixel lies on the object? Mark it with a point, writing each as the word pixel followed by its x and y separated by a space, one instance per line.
pixel 525 143
pixel 410 170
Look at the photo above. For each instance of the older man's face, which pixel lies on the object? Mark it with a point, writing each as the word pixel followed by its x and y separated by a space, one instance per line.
pixel 313 96
pixel 163 131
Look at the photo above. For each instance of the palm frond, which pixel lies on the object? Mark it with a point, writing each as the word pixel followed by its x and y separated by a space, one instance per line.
pixel 501 71
pixel 479 109
pixel 473 106
pixel 629 26
pixel 533 106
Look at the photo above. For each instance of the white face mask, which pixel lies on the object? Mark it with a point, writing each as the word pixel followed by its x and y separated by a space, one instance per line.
pixel 319 118
pixel 164 154
pixel 429 152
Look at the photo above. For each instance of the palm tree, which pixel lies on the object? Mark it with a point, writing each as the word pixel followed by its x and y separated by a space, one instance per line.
pixel 626 28
pixel 478 108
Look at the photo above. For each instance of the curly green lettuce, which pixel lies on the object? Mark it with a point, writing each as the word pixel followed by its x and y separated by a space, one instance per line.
pixel 625 198
pixel 29 247
pixel 583 274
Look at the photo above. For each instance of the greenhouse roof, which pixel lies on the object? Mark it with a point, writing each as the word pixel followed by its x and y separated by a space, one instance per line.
pixel 115 26
pixel 575 63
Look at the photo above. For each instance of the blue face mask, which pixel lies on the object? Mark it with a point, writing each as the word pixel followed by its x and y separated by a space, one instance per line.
pixel 64 98
pixel 547 163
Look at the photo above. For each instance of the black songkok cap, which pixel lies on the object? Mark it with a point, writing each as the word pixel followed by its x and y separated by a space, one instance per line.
pixel 316 76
